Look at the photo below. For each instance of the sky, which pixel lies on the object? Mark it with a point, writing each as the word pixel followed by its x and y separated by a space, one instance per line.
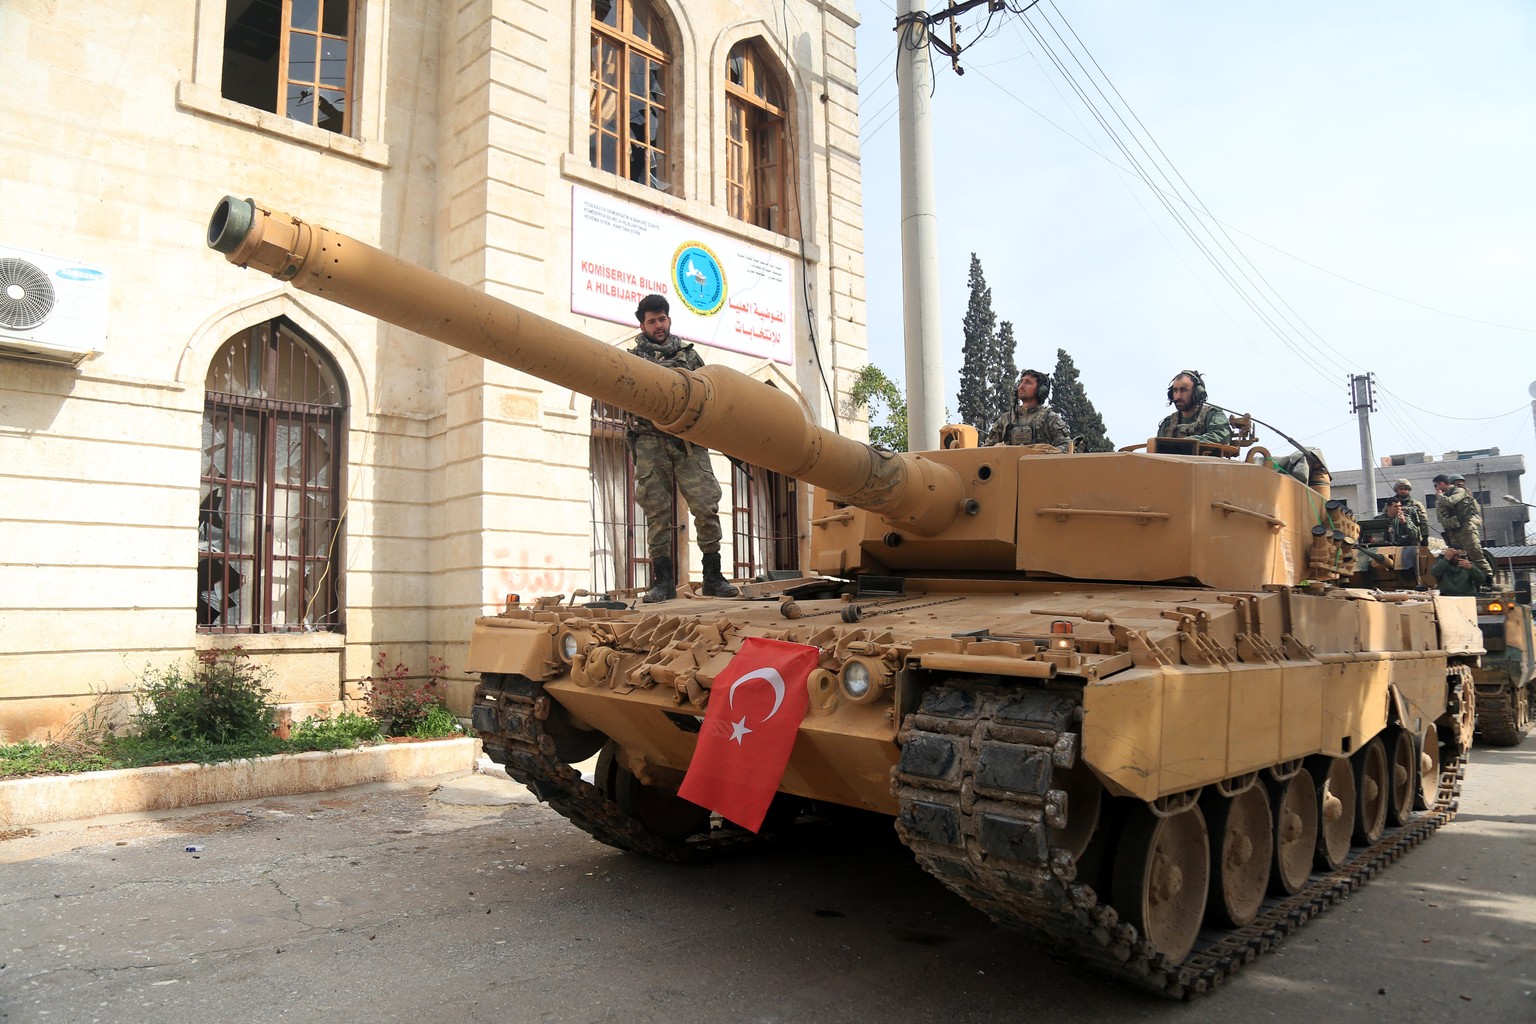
pixel 1369 170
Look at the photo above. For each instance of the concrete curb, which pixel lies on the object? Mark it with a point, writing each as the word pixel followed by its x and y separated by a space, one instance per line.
pixel 168 787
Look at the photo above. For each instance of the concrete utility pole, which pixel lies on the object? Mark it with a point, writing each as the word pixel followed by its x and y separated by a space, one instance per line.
pixel 919 234
pixel 1362 392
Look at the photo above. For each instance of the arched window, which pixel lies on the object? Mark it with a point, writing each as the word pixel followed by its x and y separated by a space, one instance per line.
pixel 630 65
pixel 756 120
pixel 269 523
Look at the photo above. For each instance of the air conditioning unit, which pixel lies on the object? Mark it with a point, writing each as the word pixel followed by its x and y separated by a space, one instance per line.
pixel 50 308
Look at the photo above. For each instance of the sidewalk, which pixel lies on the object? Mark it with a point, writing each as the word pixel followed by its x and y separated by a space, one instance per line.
pixel 54 798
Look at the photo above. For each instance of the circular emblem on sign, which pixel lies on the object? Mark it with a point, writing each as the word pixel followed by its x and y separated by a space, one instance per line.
pixel 698 278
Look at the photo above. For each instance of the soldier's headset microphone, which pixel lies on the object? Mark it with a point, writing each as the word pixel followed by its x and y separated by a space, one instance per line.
pixel 1198 394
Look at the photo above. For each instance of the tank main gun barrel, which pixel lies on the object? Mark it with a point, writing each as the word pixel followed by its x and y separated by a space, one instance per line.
pixel 714 406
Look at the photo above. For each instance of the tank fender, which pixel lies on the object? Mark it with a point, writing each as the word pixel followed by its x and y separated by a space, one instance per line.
pixel 514 647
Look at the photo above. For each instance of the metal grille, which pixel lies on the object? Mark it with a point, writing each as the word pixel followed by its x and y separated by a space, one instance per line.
pixel 765 523
pixel 269 522
pixel 619 556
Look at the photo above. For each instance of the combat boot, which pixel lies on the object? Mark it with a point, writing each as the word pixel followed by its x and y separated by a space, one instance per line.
pixel 663 583
pixel 715 585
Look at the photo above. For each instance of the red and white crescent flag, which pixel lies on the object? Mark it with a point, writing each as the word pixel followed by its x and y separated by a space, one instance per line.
pixel 754 713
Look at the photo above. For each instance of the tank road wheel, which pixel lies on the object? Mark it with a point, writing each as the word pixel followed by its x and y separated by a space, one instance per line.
pixel 1242 841
pixel 1373 790
pixel 1405 775
pixel 1160 880
pixel 1335 779
pixel 1295 802
pixel 1429 770
pixel 657 809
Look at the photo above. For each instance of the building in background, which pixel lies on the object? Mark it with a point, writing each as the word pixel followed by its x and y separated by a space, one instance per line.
pixel 1490 477
pixel 196 456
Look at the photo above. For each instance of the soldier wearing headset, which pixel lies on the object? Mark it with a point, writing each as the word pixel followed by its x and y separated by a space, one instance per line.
pixel 1029 421
pixel 1192 417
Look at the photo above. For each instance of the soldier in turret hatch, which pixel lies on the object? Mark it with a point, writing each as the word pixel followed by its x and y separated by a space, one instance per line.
pixel 1029 421
pixel 1192 416
pixel 1413 509
pixel 664 463
pixel 1400 532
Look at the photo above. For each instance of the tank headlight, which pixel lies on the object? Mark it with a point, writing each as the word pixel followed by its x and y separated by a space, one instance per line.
pixel 1495 606
pixel 856 679
pixel 569 646
pixel 859 680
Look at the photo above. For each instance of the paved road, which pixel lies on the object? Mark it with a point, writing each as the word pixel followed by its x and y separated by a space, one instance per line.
pixel 421 903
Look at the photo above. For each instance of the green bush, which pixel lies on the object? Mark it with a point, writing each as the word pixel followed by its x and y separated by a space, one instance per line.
pixel 436 723
pixel 225 699
pixel 397 701
pixel 344 730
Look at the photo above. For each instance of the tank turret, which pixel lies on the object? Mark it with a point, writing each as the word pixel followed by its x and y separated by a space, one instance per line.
pixel 1152 709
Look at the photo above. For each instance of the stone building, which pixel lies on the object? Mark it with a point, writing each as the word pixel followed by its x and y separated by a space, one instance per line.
pixel 196 456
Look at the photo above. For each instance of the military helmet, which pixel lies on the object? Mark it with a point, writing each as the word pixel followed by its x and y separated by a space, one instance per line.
pixel 1401 484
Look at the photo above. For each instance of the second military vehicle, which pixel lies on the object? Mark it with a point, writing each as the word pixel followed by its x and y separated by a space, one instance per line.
pixel 1143 707
pixel 1506 678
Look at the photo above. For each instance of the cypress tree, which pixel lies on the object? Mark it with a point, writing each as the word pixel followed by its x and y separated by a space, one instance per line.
pixel 1069 399
pixel 1003 382
pixel 980 349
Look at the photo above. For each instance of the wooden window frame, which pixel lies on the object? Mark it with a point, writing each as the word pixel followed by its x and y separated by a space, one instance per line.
pixel 628 47
pixel 757 178
pixel 310 553
pixel 288 35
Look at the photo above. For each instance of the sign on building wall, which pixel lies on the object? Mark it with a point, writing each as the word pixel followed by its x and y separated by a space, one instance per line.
pixel 723 292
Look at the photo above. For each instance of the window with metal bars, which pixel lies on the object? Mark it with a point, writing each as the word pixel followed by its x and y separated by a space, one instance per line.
pixel 269 522
pixel 765 520
pixel 755 131
pixel 293 58
pixel 631 61
pixel 619 556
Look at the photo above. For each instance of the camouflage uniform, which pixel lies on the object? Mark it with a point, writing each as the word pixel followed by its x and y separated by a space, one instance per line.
pixel 1400 533
pixel 663 462
pixel 1461 521
pixel 1454 581
pixel 1037 425
pixel 1207 424
pixel 1418 518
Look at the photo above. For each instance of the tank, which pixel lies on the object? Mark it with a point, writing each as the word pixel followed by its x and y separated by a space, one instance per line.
pixel 1505 681
pixel 1153 710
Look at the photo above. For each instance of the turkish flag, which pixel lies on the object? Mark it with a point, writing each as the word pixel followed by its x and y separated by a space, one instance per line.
pixel 754 713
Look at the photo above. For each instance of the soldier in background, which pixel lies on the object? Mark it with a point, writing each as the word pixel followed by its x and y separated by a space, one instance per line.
pixel 1413 509
pixel 1455 574
pixel 1400 530
pixel 664 463
pixel 1192 417
pixel 1461 520
pixel 1029 421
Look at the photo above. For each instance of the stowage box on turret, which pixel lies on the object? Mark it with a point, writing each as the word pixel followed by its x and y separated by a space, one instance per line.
pixel 1152 709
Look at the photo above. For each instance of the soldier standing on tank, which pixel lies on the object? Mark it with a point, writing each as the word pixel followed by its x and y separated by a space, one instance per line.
pixel 1029 421
pixel 1461 520
pixel 664 464
pixel 1413 510
pixel 1192 416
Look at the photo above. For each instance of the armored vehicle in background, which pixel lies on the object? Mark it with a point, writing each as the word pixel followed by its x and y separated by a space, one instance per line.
pixel 1506 678
pixel 1146 708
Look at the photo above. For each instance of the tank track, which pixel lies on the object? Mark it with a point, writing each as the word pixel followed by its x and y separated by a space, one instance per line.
pixel 510 713
pixel 1498 722
pixel 978 808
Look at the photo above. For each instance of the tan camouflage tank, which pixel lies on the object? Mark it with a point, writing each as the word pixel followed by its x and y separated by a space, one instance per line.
pixel 1154 710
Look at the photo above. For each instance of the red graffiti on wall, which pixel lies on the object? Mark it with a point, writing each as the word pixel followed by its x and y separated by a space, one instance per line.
pixel 526 580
